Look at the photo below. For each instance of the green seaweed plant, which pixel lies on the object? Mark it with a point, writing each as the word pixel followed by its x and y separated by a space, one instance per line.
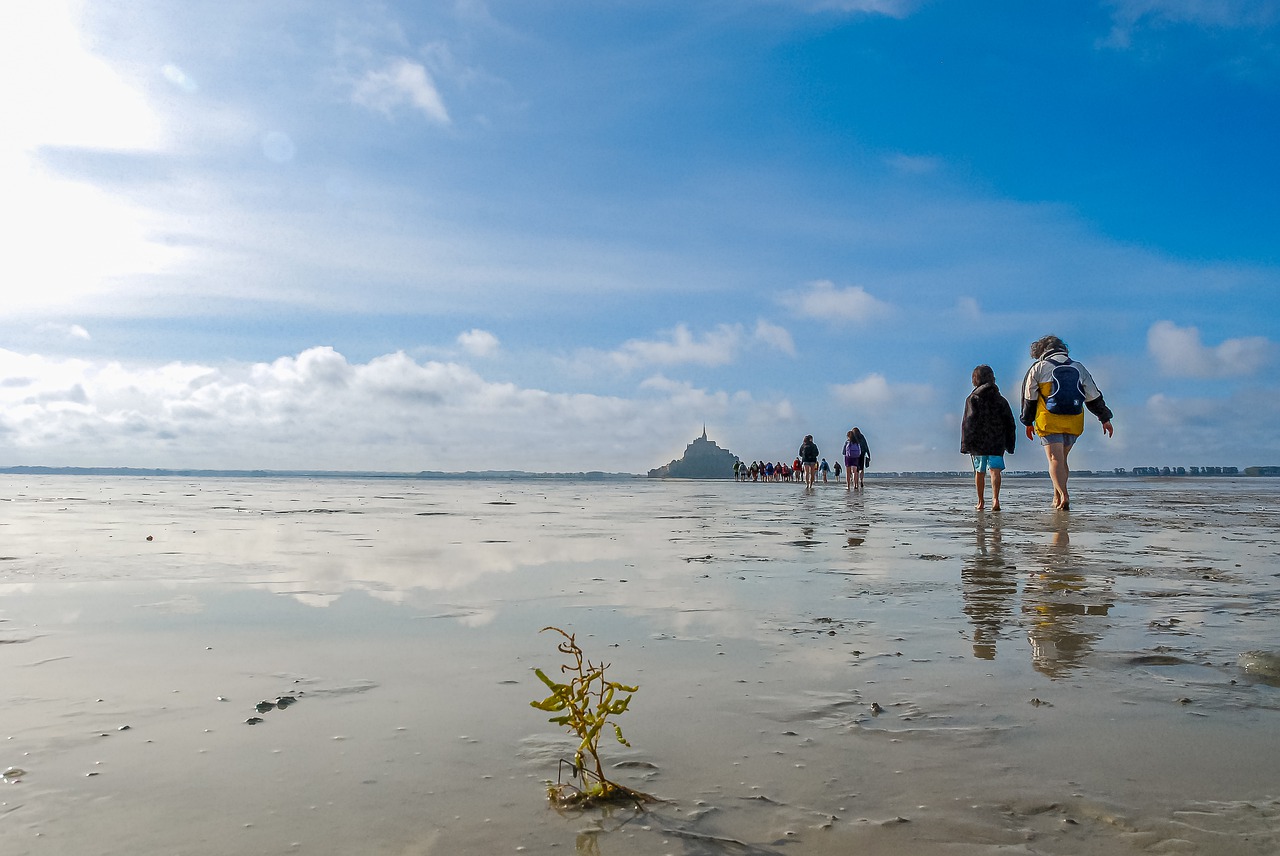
pixel 584 706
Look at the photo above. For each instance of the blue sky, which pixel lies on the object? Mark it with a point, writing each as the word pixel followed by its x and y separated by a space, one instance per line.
pixel 565 235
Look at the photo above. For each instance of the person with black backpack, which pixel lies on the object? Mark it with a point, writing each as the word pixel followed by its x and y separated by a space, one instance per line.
pixel 1055 393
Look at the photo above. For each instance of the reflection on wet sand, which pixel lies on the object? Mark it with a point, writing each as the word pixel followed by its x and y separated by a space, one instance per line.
pixel 1061 602
pixel 988 586
pixel 856 526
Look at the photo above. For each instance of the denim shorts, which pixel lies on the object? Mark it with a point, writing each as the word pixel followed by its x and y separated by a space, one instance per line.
pixel 1067 440
pixel 982 463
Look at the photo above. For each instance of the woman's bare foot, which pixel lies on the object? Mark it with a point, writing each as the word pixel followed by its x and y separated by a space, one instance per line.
pixel 995 507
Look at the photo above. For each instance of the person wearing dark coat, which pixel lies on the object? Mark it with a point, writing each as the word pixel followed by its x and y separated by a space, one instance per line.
pixel 987 432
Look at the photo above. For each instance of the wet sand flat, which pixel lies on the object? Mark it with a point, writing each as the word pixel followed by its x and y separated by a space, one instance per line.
pixel 820 673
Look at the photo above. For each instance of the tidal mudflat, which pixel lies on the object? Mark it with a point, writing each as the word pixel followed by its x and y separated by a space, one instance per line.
pixel 886 672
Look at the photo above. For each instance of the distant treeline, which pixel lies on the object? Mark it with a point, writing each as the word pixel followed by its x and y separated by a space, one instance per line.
pixel 1120 473
pixel 315 474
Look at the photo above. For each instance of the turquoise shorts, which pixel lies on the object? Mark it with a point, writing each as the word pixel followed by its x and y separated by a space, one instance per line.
pixel 982 463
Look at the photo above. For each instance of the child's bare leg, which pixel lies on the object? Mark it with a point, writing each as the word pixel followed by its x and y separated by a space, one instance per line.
pixel 980 484
pixel 995 490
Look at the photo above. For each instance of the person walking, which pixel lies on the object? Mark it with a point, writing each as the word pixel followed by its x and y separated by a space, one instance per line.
pixel 1055 393
pixel 864 459
pixel 808 457
pixel 852 458
pixel 987 432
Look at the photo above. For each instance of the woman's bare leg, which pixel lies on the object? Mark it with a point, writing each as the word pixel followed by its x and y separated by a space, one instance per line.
pixel 1058 473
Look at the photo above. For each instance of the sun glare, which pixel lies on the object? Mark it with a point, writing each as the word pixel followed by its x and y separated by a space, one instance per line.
pixel 64 240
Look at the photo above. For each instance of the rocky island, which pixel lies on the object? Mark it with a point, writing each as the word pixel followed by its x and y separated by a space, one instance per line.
pixel 702 459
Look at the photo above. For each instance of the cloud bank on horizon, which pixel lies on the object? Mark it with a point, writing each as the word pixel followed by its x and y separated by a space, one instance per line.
pixel 564 236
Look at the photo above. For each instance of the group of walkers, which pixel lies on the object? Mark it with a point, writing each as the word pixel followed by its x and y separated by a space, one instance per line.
pixel 1055 393
pixel 809 464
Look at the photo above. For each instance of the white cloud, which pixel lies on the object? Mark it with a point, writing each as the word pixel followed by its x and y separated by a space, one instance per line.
pixel 874 390
pixel 1179 352
pixel 824 301
pixel 716 347
pixel 402 82
pixel 754 423
pixel 64 331
pixel 913 164
pixel 870 391
pixel 969 309
pixel 1213 13
pixel 315 367
pixel 775 336
pixel 888 8
pixel 179 78
pixel 479 343
pixel 318 410
pixel 1170 413
pixel 719 346
pixel 686 396
pixel 1129 16
pixel 1188 431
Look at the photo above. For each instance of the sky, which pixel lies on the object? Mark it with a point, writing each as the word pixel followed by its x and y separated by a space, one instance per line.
pixel 556 235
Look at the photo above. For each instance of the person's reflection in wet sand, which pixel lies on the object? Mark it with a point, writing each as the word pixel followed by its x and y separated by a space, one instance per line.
pixel 856 526
pixel 988 587
pixel 1057 601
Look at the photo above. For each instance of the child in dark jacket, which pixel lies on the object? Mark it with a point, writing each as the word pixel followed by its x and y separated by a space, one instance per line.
pixel 987 432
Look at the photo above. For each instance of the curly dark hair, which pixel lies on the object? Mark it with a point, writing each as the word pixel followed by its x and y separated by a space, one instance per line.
pixel 1045 345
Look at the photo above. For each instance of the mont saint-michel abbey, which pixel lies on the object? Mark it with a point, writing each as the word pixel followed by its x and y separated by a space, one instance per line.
pixel 703 459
